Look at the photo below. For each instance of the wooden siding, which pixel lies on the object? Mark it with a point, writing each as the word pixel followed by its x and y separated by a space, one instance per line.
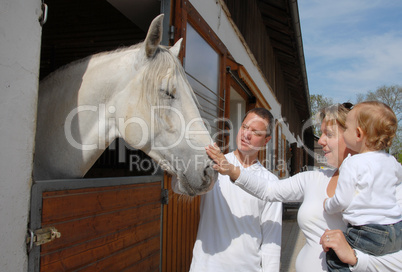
pixel 180 225
pixel 103 229
pixel 268 28
pixel 248 20
pixel 76 29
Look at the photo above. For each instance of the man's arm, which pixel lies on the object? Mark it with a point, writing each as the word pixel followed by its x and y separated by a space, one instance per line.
pixel 271 226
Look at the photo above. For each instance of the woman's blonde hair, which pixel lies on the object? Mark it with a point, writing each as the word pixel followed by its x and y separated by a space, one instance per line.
pixel 378 122
pixel 335 114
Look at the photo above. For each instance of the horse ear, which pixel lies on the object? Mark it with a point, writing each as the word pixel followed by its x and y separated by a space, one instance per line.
pixel 154 36
pixel 175 49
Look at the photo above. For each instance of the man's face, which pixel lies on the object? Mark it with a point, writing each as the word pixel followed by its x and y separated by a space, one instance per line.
pixel 252 134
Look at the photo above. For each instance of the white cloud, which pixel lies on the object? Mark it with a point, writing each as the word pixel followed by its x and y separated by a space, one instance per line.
pixel 351 46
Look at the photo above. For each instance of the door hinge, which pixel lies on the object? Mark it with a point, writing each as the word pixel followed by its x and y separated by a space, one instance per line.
pixel 41 236
pixel 165 196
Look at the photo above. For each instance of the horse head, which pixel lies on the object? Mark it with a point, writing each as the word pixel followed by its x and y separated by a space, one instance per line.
pixel 138 93
pixel 167 124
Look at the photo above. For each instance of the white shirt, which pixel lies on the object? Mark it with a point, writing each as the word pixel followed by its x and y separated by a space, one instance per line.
pixel 311 188
pixel 237 232
pixel 366 189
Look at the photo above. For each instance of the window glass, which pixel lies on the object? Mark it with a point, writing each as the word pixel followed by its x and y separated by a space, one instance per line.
pixel 201 64
pixel 237 112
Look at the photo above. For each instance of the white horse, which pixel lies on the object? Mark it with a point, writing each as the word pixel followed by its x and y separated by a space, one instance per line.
pixel 140 94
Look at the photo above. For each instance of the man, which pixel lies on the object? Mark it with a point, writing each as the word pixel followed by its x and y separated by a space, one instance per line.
pixel 238 232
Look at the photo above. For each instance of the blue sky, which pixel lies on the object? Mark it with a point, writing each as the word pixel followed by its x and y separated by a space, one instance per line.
pixel 351 46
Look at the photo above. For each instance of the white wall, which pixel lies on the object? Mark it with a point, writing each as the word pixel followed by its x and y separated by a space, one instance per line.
pixel 20 34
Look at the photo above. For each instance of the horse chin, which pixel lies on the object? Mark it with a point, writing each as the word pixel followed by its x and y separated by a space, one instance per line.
pixel 185 188
pixel 203 192
pixel 191 183
pixel 211 183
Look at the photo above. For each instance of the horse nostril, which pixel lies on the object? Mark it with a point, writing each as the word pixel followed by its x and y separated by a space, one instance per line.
pixel 210 176
pixel 208 170
pixel 205 171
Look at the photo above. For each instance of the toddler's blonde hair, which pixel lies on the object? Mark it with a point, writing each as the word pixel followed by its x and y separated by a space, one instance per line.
pixel 378 122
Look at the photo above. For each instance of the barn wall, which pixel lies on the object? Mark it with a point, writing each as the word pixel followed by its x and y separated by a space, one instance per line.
pixel 180 225
pixel 20 34
pixel 231 37
pixel 247 16
pixel 181 215
pixel 77 29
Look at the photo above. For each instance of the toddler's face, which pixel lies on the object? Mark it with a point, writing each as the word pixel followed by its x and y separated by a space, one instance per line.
pixel 350 134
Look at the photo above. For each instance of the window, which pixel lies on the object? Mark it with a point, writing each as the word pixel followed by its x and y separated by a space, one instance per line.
pixel 237 112
pixel 201 64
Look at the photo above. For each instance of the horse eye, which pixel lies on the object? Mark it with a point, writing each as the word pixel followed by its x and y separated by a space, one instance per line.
pixel 168 94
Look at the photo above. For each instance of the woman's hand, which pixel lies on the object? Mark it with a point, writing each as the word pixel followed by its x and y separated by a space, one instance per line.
pixel 221 164
pixel 336 240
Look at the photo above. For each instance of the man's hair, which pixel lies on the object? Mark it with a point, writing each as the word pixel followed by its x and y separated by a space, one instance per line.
pixel 264 114
pixel 379 123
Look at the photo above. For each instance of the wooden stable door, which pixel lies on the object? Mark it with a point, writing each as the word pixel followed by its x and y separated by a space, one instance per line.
pixel 105 224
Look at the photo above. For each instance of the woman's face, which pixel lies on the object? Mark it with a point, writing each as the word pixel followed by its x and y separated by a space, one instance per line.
pixel 333 144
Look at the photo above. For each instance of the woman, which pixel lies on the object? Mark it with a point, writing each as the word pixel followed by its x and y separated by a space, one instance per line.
pixel 320 229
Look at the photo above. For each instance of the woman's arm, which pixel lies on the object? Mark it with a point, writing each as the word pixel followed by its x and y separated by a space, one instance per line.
pixel 336 240
pixel 221 164
pixel 285 190
pixel 360 262
pixel 370 263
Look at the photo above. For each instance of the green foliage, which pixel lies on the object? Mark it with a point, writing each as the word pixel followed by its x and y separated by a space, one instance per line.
pixel 392 96
pixel 317 102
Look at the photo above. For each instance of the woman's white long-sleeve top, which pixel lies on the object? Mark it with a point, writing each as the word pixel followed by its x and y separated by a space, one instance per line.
pixel 311 189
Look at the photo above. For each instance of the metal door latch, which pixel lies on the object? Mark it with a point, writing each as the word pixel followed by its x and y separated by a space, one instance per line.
pixel 41 236
pixel 165 196
pixel 43 17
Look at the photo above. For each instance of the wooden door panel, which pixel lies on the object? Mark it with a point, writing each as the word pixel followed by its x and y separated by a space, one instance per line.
pixel 88 202
pixel 84 229
pixel 106 228
pixel 129 258
pixel 86 253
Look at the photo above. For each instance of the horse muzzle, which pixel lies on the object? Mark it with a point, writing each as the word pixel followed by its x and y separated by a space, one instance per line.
pixel 191 184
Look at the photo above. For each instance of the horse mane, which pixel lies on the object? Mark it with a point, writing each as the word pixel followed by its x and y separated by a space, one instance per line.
pixel 155 70
pixel 118 50
pixel 90 57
